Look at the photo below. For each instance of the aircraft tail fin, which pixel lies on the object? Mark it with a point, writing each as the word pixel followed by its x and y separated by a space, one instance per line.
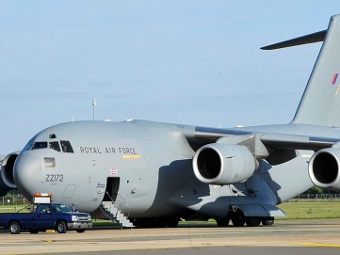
pixel 320 103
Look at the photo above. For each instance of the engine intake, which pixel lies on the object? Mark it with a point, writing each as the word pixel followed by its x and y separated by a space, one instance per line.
pixel 222 164
pixel 324 168
pixel 7 170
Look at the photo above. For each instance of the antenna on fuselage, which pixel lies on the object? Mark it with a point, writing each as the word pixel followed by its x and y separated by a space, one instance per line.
pixel 94 103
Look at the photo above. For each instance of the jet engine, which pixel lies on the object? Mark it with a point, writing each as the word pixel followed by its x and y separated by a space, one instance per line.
pixel 324 168
pixel 221 164
pixel 6 177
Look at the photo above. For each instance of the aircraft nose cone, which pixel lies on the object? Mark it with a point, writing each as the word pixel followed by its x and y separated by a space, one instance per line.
pixel 27 173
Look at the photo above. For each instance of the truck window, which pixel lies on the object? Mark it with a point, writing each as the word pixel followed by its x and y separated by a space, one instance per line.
pixel 60 208
pixel 44 209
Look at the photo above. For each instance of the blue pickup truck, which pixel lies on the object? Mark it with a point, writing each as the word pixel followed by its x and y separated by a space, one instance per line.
pixel 43 216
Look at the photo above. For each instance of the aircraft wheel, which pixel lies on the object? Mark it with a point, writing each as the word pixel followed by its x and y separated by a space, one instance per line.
pixel 238 222
pixel 61 227
pixel 268 221
pixel 14 227
pixel 238 219
pixel 223 222
pixel 253 221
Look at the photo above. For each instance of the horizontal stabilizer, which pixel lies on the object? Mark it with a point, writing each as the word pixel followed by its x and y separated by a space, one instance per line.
pixel 311 38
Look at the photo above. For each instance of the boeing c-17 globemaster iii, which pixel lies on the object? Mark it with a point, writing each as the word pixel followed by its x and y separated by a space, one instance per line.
pixel 143 173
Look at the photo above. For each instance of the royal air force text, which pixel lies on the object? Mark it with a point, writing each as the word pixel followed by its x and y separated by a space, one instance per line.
pixel 108 150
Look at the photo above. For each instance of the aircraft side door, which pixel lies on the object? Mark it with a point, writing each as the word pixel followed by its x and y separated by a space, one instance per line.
pixel 43 217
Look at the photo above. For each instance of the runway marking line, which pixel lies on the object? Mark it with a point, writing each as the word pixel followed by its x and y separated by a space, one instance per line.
pixel 320 245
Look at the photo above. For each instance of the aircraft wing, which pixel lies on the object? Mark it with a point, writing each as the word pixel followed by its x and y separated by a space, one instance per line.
pixel 272 138
pixel 296 142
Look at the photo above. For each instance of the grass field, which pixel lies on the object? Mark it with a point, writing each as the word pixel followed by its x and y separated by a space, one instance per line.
pixel 323 209
pixel 10 208
pixel 295 209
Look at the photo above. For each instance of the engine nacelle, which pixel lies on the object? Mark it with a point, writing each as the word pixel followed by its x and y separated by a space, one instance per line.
pixel 324 168
pixel 7 172
pixel 222 164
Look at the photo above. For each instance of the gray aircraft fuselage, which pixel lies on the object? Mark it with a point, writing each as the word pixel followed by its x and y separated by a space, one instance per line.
pixel 146 167
pixel 106 156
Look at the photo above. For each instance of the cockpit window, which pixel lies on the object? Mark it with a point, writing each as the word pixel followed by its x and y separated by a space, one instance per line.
pixel 29 145
pixel 54 145
pixel 66 146
pixel 63 145
pixel 39 145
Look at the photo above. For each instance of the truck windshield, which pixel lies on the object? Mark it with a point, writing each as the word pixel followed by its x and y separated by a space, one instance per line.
pixel 60 208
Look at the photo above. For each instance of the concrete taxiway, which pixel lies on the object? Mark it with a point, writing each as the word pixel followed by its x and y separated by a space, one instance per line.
pixel 284 237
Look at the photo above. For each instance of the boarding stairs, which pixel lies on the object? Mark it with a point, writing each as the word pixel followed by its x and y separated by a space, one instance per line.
pixel 111 212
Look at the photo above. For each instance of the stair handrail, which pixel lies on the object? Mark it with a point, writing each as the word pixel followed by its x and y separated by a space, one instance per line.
pixel 128 206
pixel 108 194
pixel 108 214
pixel 119 206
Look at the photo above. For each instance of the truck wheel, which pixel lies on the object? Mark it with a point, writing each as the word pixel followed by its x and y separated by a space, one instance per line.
pixel 253 221
pixel 268 221
pixel 61 227
pixel 14 227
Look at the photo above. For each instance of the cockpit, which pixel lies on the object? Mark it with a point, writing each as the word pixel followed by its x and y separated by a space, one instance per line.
pixel 60 146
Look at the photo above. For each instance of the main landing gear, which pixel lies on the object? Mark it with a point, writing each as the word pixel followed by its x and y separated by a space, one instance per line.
pixel 249 221
pixel 238 219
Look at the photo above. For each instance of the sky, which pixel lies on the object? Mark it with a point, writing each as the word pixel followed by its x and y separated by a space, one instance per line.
pixel 188 62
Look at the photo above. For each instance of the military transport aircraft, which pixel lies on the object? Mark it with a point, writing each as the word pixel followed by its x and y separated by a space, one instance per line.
pixel 144 173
